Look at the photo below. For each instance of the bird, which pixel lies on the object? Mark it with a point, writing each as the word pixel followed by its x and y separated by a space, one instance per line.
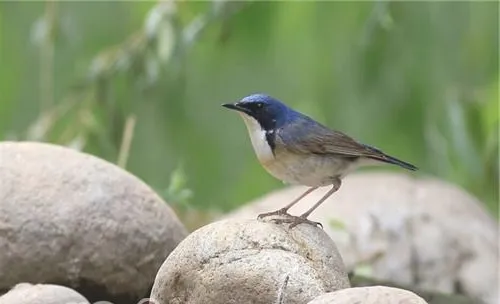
pixel 296 149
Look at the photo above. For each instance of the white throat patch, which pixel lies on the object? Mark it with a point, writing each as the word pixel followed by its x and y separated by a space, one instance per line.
pixel 258 138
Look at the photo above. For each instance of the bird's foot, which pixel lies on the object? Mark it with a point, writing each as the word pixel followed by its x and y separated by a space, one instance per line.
pixel 282 211
pixel 296 220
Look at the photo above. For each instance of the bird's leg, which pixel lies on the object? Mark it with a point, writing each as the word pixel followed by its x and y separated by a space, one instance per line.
pixel 283 211
pixel 335 187
pixel 296 220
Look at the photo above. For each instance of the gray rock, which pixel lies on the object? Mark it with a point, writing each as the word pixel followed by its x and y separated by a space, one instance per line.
pixel 71 218
pixel 25 293
pixel 432 297
pixel 369 295
pixel 419 232
pixel 248 261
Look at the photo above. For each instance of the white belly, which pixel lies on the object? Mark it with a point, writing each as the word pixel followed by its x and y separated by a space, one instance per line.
pixel 312 170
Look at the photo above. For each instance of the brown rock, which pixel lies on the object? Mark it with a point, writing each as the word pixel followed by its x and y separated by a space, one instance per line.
pixel 247 261
pixel 71 218
pixel 416 232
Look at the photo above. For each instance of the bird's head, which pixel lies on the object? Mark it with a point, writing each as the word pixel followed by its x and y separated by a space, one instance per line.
pixel 269 112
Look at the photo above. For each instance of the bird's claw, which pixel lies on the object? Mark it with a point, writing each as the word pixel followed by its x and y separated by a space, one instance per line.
pixel 288 218
pixel 296 220
pixel 280 212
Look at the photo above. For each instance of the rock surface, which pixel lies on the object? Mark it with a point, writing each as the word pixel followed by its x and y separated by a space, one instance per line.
pixel 74 219
pixel 25 293
pixel 417 232
pixel 431 296
pixel 369 295
pixel 247 261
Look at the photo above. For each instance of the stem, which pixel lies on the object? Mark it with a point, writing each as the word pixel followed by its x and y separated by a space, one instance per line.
pixel 128 134
pixel 47 58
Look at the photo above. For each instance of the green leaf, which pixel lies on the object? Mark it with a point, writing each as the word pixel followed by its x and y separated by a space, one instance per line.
pixel 337 224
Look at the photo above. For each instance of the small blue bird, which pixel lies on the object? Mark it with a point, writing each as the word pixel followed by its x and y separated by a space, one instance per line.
pixel 298 150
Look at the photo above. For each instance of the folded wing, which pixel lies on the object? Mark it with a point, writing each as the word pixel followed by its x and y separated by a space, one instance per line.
pixel 303 136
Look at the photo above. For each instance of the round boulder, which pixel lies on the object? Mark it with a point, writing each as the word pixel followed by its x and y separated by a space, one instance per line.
pixel 420 232
pixel 369 295
pixel 25 293
pixel 250 261
pixel 79 221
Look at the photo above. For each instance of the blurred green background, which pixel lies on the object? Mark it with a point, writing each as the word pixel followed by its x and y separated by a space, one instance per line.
pixel 140 84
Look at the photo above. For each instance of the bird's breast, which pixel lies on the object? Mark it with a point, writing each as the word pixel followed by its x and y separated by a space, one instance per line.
pixel 259 141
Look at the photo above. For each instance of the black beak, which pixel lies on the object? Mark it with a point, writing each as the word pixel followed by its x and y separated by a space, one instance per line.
pixel 235 106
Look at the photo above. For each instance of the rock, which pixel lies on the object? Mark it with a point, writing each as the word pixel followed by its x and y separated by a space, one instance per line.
pixel 248 261
pixel 432 297
pixel 369 295
pixel 74 219
pixel 25 293
pixel 419 232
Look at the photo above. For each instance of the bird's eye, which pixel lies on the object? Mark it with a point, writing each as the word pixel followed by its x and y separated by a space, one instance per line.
pixel 260 105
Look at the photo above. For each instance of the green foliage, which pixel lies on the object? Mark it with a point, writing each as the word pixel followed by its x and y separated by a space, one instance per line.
pixel 337 224
pixel 177 192
pixel 416 79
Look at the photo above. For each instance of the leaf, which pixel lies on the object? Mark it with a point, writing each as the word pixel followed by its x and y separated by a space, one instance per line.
pixel 337 224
